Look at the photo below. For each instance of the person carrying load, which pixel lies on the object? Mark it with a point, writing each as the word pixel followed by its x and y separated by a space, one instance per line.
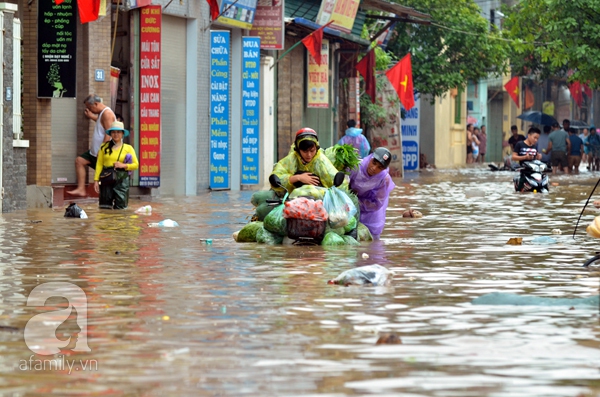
pixel 306 164
pixel 372 184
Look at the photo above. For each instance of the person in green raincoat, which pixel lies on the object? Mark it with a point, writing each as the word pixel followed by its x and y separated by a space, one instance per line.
pixel 306 164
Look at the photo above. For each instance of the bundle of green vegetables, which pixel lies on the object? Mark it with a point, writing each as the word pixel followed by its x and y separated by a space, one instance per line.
pixel 344 157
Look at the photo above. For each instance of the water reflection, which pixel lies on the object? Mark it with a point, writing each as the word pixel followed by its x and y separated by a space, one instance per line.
pixel 169 314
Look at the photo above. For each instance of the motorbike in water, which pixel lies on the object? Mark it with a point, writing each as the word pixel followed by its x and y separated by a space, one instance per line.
pixel 532 177
pixel 304 231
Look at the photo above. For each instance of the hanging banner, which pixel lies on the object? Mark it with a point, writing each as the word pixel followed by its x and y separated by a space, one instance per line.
pixel 318 79
pixel 219 109
pixel 150 43
pixel 388 135
pixel 238 13
pixel 250 108
pixel 410 136
pixel 354 98
pixel 342 12
pixel 57 49
pixel 268 24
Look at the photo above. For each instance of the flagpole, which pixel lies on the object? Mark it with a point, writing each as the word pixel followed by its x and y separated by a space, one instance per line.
pixel 298 43
pixel 286 52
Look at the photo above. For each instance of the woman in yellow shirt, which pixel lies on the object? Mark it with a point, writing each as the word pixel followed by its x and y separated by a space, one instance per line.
pixel 120 156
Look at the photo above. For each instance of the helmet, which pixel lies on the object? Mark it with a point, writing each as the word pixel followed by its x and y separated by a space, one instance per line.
pixel 305 133
pixel 383 155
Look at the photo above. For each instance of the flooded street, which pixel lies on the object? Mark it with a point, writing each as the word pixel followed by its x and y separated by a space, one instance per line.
pixel 170 315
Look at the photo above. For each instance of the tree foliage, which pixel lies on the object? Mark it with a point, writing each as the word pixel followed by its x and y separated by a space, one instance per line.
pixel 556 38
pixel 445 58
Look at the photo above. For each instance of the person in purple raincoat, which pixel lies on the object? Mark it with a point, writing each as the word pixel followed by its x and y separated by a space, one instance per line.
pixel 355 138
pixel 372 184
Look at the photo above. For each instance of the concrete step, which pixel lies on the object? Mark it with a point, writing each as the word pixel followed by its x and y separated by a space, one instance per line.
pixel 60 197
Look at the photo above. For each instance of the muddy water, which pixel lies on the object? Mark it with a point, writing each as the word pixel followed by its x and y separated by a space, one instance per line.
pixel 170 315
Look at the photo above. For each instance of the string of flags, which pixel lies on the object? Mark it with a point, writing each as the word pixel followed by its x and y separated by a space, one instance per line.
pixel 576 88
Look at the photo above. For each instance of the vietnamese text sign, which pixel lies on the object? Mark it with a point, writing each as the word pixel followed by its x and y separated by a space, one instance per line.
pixel 219 109
pixel 238 13
pixel 268 24
pixel 410 137
pixel 250 108
pixel 57 48
pixel 342 12
pixel 150 42
pixel 318 79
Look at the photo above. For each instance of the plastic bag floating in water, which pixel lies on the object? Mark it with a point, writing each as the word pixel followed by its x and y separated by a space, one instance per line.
pixel 543 240
pixel 75 211
pixel 372 274
pixel 165 223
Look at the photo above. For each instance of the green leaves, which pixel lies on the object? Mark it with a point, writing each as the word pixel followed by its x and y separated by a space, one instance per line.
pixel 344 157
pixel 457 47
pixel 555 36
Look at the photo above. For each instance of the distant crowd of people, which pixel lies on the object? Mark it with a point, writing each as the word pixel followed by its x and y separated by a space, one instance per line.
pixel 476 144
pixel 563 148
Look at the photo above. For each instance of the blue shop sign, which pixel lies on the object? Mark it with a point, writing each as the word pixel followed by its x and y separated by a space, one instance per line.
pixel 219 109
pixel 250 108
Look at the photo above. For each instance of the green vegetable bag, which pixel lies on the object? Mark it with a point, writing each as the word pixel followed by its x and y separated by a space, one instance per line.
pixel 275 222
pixel 248 232
pixel 263 236
pixel 332 239
pixel 364 234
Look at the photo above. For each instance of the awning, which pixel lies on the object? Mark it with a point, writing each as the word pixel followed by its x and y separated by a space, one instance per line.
pixel 309 25
pixel 406 14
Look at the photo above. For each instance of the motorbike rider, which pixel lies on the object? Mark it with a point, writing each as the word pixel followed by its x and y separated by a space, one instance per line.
pixel 527 150
pixel 306 164
pixel 372 184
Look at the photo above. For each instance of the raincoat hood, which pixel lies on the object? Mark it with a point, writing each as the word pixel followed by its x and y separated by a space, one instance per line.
pixel 354 132
pixel 308 138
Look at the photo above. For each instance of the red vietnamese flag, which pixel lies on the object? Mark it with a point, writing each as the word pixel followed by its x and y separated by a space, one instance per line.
pixel 58 2
pixel 576 92
pixel 88 10
pixel 366 68
pixel 214 9
pixel 587 90
pixel 314 41
pixel 512 87
pixel 400 76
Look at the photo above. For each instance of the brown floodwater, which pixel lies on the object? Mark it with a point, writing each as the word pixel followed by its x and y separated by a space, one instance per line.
pixel 170 315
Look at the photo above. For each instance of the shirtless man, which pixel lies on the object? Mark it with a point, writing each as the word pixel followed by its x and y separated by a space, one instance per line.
pixel 104 117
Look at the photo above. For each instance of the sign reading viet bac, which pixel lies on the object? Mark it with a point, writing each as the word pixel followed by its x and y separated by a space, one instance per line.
pixel 150 43
pixel 219 109
pixel 318 79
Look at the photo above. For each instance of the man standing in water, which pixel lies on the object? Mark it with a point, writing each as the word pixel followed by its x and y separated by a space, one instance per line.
pixel 372 184
pixel 104 117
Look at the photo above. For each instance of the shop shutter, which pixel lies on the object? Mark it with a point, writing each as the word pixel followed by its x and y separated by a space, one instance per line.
pixel 173 105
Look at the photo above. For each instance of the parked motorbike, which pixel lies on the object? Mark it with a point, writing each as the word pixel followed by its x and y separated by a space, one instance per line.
pixel 532 177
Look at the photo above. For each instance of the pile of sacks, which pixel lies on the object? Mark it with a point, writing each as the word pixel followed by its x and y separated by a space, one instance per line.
pixel 329 216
